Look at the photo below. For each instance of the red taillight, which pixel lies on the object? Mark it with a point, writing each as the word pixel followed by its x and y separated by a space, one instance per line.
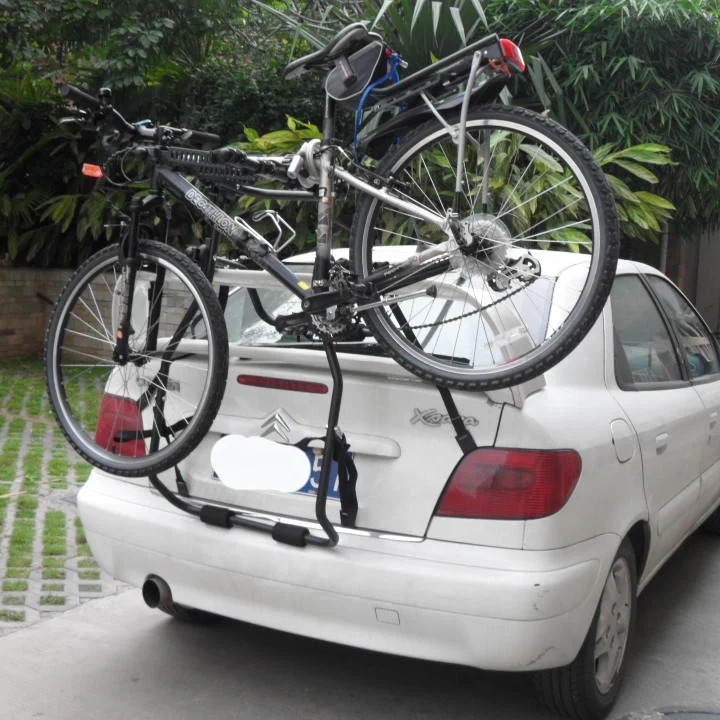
pixel 513 54
pixel 92 171
pixel 119 427
pixel 271 383
pixel 502 484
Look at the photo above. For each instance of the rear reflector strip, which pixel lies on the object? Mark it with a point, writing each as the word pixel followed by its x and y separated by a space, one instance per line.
pixel 92 171
pixel 271 383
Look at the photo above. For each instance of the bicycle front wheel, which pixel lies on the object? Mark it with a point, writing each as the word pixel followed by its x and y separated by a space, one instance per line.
pixel 502 307
pixel 144 414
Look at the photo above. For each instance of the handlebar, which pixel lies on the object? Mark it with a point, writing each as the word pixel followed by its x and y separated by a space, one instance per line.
pixel 104 110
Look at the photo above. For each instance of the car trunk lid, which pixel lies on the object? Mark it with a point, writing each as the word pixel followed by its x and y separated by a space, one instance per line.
pixel 400 436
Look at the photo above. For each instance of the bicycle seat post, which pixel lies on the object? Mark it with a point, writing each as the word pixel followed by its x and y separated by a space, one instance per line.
pixel 326 193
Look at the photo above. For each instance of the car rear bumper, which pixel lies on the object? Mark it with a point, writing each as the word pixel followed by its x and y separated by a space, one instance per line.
pixel 484 607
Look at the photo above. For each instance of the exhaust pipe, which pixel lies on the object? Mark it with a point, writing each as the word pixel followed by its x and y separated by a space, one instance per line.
pixel 156 592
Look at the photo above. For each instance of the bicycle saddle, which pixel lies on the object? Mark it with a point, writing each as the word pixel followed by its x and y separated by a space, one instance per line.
pixel 348 40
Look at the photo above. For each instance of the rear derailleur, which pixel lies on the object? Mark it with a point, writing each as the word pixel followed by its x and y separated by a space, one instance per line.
pixel 523 270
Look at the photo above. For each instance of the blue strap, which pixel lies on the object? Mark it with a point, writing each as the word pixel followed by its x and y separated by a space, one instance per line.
pixel 392 74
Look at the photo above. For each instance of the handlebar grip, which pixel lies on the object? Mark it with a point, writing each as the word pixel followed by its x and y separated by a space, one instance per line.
pixel 79 96
pixel 204 138
pixel 230 155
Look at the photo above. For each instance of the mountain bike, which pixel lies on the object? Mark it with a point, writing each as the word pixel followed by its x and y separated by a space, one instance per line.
pixel 457 198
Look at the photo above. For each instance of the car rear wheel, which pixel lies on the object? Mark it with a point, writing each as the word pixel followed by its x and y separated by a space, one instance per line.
pixel 588 687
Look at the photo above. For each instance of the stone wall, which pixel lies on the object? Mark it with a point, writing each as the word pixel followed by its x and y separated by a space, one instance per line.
pixel 25 310
pixel 27 296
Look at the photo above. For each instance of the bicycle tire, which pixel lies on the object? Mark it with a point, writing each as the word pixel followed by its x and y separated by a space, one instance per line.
pixel 142 416
pixel 569 205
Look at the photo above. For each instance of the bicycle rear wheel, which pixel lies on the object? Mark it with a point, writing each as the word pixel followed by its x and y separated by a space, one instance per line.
pixel 500 309
pixel 143 415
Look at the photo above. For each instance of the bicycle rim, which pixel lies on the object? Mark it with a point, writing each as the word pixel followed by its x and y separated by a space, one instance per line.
pixel 145 415
pixel 502 309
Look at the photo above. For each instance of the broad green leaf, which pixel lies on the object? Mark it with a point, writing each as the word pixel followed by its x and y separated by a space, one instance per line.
pixel 621 190
pixel 650 153
pixel 637 170
pixel 654 200
pixel 537 154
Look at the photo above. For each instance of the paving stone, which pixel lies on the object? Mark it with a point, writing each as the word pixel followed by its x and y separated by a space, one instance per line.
pixel 18 384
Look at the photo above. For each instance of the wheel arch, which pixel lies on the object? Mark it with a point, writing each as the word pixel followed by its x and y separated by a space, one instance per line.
pixel 639 536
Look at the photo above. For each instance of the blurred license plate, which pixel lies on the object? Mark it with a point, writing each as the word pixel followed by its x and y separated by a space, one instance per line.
pixel 311 486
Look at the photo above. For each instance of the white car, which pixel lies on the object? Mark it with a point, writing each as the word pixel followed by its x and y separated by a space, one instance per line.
pixel 523 554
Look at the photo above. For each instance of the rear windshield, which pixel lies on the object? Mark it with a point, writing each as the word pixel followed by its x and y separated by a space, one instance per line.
pixel 246 328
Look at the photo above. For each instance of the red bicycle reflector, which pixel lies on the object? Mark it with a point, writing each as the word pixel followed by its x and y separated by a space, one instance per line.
pixel 513 54
pixel 119 427
pixel 92 171
pixel 506 484
pixel 272 383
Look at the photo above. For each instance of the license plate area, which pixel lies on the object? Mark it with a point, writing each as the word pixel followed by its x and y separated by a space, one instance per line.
pixel 315 456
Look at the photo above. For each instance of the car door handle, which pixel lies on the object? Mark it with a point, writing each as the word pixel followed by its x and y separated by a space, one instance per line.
pixel 661 442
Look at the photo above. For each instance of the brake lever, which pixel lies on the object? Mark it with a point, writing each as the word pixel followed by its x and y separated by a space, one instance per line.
pixel 81 117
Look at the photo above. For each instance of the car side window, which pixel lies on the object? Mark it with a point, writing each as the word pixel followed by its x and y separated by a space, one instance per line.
pixel 644 353
pixel 696 342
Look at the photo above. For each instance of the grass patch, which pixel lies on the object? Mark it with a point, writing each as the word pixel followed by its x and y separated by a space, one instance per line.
pixel 53 562
pixel 53 587
pixel 82 471
pixel 17 399
pixel 55 520
pixel 54 549
pixel 18 560
pixel 17 572
pixel 23 534
pixel 87 563
pixel 12 616
pixel 54 533
pixel 89 574
pixel 53 574
pixel 8 468
pixel 27 502
pixel 14 586
pixel 80 538
pixel 14 600
pixel 52 600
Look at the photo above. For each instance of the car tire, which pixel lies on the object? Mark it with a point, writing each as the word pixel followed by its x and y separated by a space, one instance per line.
pixel 190 615
pixel 587 688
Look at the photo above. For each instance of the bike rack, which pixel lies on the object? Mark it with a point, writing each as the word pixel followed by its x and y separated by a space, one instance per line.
pixel 288 533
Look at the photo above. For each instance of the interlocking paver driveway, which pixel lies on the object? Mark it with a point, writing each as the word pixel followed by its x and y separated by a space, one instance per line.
pixel 45 562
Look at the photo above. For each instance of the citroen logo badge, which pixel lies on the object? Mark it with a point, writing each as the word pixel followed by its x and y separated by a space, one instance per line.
pixel 278 423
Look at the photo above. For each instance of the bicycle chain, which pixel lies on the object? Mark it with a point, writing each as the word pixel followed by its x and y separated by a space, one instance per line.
pixel 467 314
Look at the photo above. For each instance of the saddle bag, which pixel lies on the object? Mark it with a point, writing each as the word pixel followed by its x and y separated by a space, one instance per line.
pixel 367 64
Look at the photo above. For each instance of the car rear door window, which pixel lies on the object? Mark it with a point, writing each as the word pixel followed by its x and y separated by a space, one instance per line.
pixel 697 344
pixel 644 352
